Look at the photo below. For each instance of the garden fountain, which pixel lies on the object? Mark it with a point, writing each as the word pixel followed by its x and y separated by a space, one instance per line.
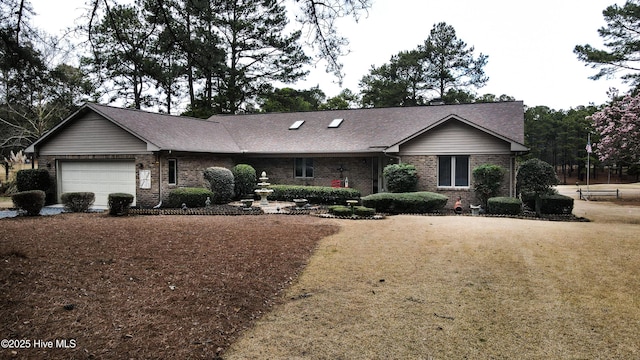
pixel 263 191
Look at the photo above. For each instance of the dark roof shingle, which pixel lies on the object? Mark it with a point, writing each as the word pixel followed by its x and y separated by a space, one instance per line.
pixel 361 131
pixel 364 129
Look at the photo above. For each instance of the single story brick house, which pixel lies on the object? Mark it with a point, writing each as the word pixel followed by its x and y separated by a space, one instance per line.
pixel 106 149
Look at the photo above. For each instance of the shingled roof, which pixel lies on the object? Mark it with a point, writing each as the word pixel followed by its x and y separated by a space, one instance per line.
pixel 361 131
pixel 366 130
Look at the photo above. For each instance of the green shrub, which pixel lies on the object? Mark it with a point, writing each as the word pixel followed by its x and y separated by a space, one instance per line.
pixel 504 205
pixel 535 176
pixel 344 211
pixel 401 178
pixel 554 204
pixel 221 183
pixel 340 210
pixel 403 203
pixel 37 179
pixel 315 194
pixel 31 201
pixel 487 180
pixel 192 197
pixel 529 198
pixel 119 203
pixel 245 180
pixel 78 201
pixel 364 211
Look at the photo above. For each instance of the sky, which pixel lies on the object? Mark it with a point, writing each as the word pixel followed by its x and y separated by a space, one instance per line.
pixel 529 43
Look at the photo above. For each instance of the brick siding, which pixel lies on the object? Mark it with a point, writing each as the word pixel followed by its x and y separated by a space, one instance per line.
pixel 427 167
pixel 359 171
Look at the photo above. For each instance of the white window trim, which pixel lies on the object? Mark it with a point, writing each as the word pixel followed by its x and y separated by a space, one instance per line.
pixel 453 173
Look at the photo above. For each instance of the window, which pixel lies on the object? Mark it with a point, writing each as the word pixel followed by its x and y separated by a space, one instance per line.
pixel 453 171
pixel 296 125
pixel 335 123
pixel 304 167
pixel 173 172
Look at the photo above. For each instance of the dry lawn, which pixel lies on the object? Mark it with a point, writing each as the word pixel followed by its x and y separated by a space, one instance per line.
pixel 413 287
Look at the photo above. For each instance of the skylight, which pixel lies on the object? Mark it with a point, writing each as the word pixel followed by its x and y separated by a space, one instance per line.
pixel 336 123
pixel 296 125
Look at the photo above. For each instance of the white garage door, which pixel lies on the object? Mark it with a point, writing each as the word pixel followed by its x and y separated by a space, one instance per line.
pixel 99 177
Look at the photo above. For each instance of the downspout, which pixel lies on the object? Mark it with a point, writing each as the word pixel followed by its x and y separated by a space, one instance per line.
pixel 512 162
pixel 159 182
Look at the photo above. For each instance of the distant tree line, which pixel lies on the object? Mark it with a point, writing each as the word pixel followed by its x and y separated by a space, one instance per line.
pixel 200 58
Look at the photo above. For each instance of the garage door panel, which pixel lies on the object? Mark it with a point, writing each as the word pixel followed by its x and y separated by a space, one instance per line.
pixel 99 177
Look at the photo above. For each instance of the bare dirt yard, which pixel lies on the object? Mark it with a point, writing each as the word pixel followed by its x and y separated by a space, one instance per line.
pixel 407 287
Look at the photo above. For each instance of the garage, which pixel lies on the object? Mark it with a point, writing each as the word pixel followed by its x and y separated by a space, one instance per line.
pixel 99 177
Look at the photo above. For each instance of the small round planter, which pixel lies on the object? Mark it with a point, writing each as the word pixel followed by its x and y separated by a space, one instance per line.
pixel 246 203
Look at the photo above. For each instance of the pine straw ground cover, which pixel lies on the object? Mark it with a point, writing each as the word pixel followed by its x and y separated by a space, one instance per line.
pixel 144 287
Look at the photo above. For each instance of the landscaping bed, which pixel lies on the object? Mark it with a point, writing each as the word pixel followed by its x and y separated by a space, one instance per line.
pixel 172 287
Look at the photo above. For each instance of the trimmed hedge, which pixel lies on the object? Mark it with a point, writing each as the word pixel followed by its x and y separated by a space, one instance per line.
pixel 345 211
pixel 504 205
pixel 245 180
pixel 119 203
pixel 364 211
pixel 315 194
pixel 340 210
pixel 529 198
pixel 554 204
pixel 190 196
pixel 31 201
pixel 78 201
pixel 401 178
pixel 406 203
pixel 222 183
pixel 36 179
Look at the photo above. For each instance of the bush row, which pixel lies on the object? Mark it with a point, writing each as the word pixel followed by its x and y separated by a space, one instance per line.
pixel 554 204
pixel 545 204
pixel 399 203
pixel 315 194
pixel 191 197
pixel 504 205
pixel 344 211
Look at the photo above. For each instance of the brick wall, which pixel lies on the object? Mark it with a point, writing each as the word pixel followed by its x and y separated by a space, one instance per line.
pixel 427 167
pixel 190 169
pixel 280 171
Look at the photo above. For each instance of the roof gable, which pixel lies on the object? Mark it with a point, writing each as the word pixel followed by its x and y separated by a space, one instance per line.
pixel 91 133
pixel 158 131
